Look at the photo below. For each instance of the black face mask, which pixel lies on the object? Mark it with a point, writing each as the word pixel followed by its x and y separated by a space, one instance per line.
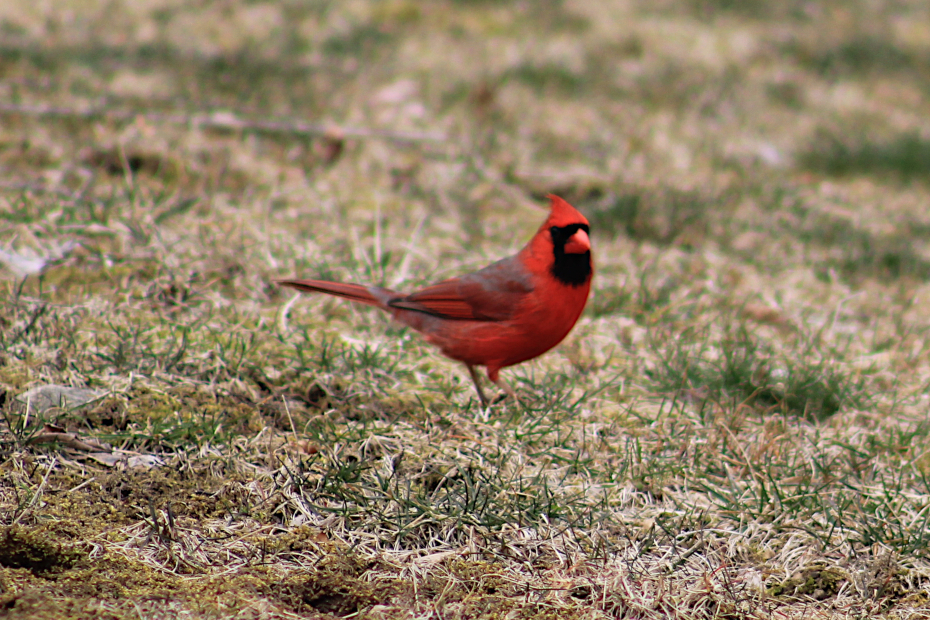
pixel 570 269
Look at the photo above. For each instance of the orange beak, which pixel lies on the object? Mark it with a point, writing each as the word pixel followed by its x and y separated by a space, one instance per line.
pixel 579 243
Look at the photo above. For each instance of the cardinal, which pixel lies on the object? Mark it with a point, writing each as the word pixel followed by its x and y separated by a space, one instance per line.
pixel 507 313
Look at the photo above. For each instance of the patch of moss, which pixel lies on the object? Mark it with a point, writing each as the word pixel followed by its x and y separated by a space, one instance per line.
pixel 35 549
pixel 817 581
pixel 37 604
pixel 332 592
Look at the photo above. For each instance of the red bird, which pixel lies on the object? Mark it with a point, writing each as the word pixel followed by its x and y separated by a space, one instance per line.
pixel 509 312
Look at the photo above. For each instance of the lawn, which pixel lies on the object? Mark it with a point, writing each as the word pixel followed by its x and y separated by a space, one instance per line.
pixel 737 427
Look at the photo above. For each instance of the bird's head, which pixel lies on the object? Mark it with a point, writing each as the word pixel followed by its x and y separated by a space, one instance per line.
pixel 571 246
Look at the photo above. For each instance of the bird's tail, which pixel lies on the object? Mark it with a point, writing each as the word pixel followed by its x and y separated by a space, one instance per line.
pixel 371 295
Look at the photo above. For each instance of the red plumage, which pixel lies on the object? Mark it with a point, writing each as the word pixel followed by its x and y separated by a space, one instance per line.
pixel 509 312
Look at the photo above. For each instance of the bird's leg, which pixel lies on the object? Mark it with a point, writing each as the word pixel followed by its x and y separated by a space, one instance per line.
pixel 474 378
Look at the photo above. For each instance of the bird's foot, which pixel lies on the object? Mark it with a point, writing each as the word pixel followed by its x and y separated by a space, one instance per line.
pixel 501 398
pixel 508 391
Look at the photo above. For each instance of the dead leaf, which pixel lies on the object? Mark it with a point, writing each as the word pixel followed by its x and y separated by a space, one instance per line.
pixel 129 460
pixel 23 264
pixel 107 459
pixel 56 434
pixel 45 397
pixel 144 461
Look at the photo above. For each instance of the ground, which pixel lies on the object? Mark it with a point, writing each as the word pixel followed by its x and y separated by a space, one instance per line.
pixel 736 428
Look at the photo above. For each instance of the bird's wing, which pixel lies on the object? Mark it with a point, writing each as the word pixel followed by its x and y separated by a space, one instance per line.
pixel 491 294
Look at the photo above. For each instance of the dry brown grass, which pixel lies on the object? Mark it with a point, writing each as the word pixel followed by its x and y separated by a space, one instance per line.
pixel 735 429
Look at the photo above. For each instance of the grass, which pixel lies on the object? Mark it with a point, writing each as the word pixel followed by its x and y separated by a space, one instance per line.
pixel 860 54
pixel 734 429
pixel 906 157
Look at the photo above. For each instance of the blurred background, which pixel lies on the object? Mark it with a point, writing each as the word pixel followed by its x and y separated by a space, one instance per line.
pixel 663 120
